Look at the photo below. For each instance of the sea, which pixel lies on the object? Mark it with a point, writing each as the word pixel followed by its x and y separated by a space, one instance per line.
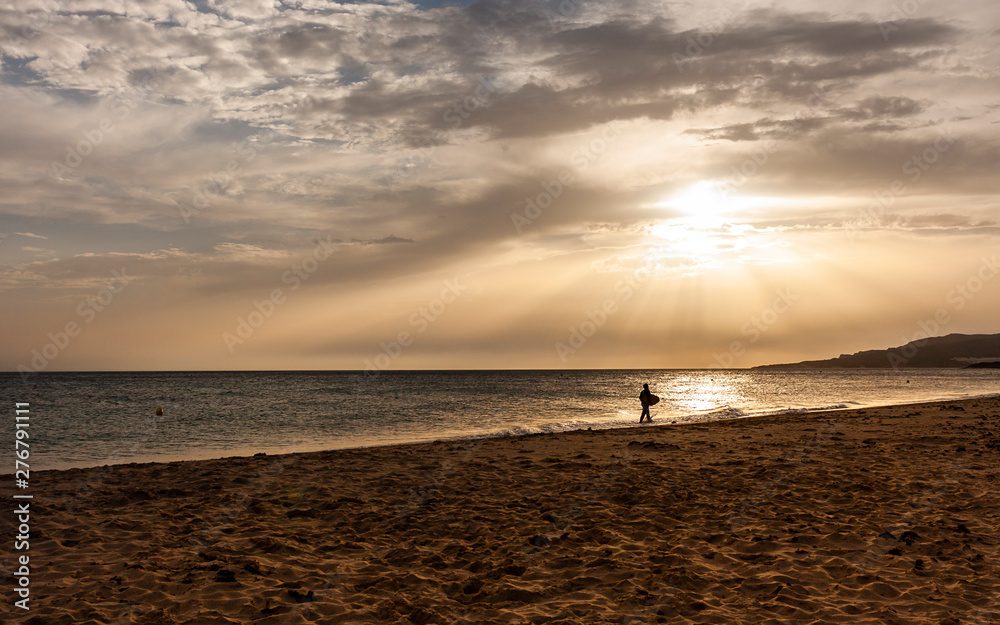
pixel 94 419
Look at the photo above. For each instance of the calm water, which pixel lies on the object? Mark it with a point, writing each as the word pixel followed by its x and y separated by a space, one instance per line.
pixel 83 419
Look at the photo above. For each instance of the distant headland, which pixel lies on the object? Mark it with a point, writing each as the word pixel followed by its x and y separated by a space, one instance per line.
pixel 980 351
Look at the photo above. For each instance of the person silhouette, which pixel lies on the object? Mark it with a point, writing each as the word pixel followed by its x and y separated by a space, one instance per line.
pixel 644 400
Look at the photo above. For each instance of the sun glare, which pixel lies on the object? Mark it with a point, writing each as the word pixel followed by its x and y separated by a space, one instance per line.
pixel 700 199
pixel 707 221
pixel 710 202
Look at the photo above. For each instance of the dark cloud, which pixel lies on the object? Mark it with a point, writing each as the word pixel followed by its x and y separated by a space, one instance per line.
pixel 629 70
pixel 384 240
pixel 627 66
pixel 764 129
pixel 882 107
pixel 873 114
pixel 818 34
pixel 348 89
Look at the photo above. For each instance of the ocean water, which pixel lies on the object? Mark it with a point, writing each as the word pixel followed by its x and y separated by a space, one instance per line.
pixel 92 419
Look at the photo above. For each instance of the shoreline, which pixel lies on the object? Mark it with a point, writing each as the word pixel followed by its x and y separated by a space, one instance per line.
pixel 249 453
pixel 869 515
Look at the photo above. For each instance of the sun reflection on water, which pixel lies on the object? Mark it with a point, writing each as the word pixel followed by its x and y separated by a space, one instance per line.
pixel 702 393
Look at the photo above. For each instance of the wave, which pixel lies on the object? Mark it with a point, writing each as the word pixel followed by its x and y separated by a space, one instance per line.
pixel 722 413
pixel 808 410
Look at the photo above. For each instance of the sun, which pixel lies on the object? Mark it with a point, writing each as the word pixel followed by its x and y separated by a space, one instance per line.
pixel 703 200
pixel 706 222
pixel 698 222
pixel 711 203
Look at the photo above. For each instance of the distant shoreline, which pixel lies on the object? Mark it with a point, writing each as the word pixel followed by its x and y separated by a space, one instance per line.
pixel 953 351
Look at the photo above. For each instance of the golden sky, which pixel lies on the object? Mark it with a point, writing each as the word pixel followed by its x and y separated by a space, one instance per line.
pixel 500 184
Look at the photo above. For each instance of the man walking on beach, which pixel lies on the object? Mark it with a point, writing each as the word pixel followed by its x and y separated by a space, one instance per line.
pixel 644 400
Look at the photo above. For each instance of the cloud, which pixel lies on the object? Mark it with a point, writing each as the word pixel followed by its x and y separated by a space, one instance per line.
pixel 766 128
pixel 882 107
pixel 873 114
pixel 385 240
pixel 38 251
pixel 206 145
pixel 333 74
pixel 928 224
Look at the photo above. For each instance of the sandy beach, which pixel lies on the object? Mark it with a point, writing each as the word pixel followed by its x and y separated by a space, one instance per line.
pixel 882 515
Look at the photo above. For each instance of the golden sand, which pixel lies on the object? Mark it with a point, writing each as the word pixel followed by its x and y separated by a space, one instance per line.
pixel 884 515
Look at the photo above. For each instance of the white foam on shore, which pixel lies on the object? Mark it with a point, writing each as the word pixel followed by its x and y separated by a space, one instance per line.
pixel 724 413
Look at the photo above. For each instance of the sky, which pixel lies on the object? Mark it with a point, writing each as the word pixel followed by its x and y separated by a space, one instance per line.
pixel 256 184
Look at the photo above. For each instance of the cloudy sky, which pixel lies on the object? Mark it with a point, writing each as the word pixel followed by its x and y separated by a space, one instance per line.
pixel 259 184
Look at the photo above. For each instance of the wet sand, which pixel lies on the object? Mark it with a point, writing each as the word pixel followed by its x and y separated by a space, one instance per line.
pixel 883 515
